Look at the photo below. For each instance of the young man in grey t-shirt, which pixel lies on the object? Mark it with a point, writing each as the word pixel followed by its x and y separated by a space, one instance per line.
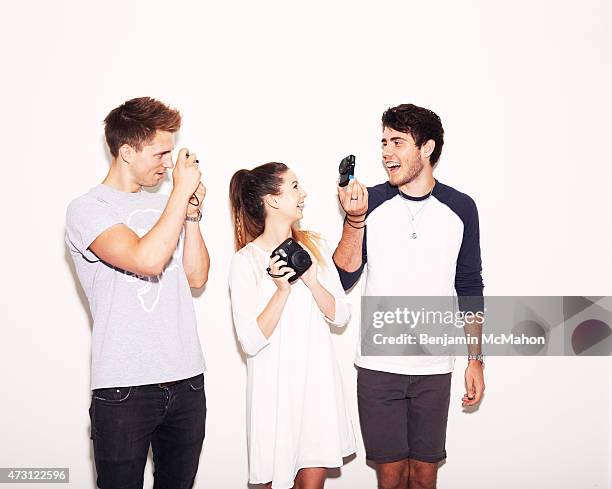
pixel 137 254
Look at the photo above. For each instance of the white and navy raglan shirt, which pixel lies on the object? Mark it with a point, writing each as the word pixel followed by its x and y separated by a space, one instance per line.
pixel 443 260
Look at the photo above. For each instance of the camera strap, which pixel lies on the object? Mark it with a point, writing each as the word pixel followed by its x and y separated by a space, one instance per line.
pixel 273 275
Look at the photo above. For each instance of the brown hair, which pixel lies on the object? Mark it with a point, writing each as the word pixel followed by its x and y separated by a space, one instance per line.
pixel 422 124
pixel 136 121
pixel 247 189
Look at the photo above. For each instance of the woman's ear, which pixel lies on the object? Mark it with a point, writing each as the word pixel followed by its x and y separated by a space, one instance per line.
pixel 271 201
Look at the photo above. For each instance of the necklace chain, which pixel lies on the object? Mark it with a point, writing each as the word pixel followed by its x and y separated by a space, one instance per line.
pixel 414 225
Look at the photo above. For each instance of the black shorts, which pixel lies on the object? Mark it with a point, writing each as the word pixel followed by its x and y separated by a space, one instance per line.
pixel 403 416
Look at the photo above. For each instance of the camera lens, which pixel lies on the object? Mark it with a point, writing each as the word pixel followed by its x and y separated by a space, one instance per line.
pixel 301 260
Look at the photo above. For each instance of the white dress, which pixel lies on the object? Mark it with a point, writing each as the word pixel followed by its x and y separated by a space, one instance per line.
pixel 296 413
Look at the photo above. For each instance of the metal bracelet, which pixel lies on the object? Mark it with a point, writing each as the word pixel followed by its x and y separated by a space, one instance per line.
pixel 195 219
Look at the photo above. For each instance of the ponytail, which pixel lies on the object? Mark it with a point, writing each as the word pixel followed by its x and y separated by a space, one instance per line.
pixel 237 184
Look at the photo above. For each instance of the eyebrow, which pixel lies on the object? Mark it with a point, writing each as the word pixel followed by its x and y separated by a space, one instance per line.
pixel 163 152
pixel 295 181
pixel 393 139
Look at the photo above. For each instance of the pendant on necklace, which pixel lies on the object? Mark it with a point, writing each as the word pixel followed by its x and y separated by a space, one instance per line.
pixel 413 235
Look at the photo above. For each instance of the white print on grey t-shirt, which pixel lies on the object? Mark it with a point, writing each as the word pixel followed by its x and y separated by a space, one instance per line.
pixel 150 293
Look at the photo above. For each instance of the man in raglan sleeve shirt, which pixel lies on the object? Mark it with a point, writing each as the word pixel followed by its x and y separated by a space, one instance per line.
pixel 137 254
pixel 422 239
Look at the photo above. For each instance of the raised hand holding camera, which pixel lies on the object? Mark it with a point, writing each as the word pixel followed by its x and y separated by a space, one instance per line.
pixel 352 194
pixel 354 199
pixel 186 174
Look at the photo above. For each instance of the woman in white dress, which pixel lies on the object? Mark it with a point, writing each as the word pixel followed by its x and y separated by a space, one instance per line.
pixel 298 424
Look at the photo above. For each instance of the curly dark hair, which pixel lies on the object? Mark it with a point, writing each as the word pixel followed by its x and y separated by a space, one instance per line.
pixel 422 124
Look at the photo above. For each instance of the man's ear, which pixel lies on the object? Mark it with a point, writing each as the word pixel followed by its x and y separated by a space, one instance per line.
pixel 428 148
pixel 271 201
pixel 126 153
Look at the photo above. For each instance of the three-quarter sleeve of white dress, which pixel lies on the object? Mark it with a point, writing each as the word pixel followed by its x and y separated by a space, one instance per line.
pixel 245 307
pixel 334 287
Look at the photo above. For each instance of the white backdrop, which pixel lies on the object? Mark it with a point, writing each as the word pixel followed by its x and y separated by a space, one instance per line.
pixel 523 92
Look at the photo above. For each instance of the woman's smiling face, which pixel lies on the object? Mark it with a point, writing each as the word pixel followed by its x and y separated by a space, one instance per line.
pixel 290 201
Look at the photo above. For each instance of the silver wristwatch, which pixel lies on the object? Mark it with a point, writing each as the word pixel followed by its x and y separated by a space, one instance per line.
pixel 477 356
pixel 195 219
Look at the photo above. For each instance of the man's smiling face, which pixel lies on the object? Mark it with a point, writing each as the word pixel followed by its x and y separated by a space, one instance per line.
pixel 401 157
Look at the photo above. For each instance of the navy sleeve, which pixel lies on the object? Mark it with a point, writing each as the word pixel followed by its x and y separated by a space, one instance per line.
pixel 468 275
pixel 376 196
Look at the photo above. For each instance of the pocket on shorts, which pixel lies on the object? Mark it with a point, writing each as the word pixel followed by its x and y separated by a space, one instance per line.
pixel 114 395
pixel 196 383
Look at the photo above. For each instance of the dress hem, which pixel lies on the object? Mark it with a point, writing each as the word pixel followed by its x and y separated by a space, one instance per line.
pixel 308 466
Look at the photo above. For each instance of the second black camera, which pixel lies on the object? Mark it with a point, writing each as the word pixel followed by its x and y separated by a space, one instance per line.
pixel 296 257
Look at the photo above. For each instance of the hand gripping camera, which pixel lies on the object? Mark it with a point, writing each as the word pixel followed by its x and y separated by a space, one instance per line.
pixel 296 257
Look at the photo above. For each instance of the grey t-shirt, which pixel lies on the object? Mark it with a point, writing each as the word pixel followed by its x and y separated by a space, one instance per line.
pixel 144 329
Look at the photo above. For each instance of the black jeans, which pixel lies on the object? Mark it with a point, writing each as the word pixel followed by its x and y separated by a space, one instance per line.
pixel 126 420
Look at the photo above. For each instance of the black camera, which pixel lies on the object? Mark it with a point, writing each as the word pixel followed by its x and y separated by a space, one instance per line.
pixel 296 257
pixel 346 170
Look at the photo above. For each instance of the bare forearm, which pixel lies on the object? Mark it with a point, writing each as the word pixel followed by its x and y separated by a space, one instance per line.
pixel 348 252
pixel 473 328
pixel 196 261
pixel 325 301
pixel 269 317
pixel 156 247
